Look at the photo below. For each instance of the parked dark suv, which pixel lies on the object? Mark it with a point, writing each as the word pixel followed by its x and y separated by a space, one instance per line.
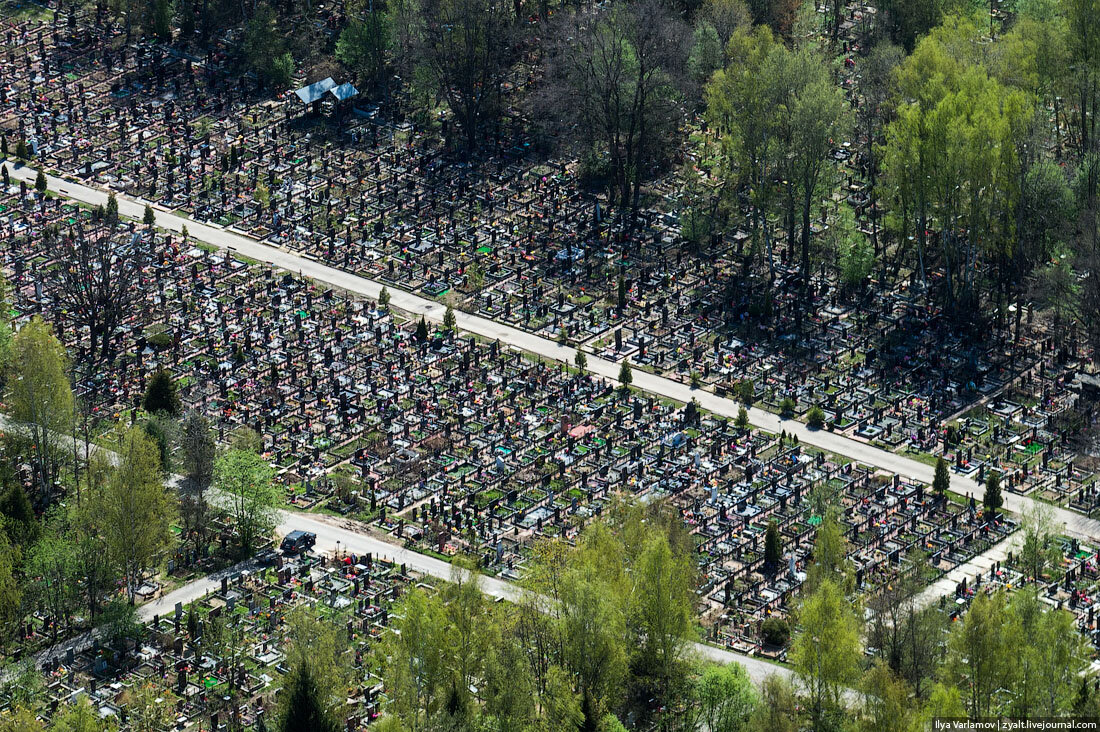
pixel 297 542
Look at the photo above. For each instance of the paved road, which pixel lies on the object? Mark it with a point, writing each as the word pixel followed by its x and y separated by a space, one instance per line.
pixel 217 236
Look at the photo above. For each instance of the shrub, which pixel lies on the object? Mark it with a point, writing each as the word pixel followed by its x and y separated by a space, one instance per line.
pixel 775 631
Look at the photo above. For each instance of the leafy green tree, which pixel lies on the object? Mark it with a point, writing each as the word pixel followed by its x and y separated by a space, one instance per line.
pixel 384 297
pixel 626 376
pixel 135 510
pixel 826 653
pixel 40 183
pixel 162 20
pixel 450 323
pixel 111 212
pixel 726 698
pixel 40 398
pixel 11 591
pixel 302 704
pixel 20 523
pixel 661 612
pixel 778 707
pixel 991 499
pixel 1040 549
pixel 887 704
pixel 148 217
pixel 161 394
pixel 510 692
pixel 594 634
pixel 815 417
pixel 830 558
pixel 315 690
pixel 247 480
pixel 422 332
pixel 81 716
pixel 246 439
pixel 414 660
pixel 773 547
pixel 980 653
pixel 941 482
pixel 264 49
pixel 362 46
pixel 54 581
pixel 580 360
pixel 742 420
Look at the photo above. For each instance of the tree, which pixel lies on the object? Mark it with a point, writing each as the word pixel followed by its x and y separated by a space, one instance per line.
pixel 626 377
pixel 463 49
pixel 661 612
pixel 150 707
pixel 992 500
pixel 415 667
pixel 39 397
pixel 384 297
pixel 941 481
pixel 510 691
pixel 20 523
pixel 593 631
pixel 264 49
pixel 741 103
pixel 11 591
pixel 980 657
pixel 362 46
pixel 777 710
pixel 314 692
pixel 246 439
pixel 134 508
pixel 96 284
pixel 826 654
pixel 148 217
pixel 161 394
pixel 580 360
pixel 773 548
pixel 815 417
pixel 811 125
pixel 449 320
pixel 742 420
pixel 81 716
pixel 90 549
pixel 302 704
pixel 40 183
pixel 197 446
pixel 53 580
pixel 112 210
pixel 611 80
pixel 887 706
pixel 726 698
pixel 1040 549
pixel 830 558
pixel 162 20
pixel 247 480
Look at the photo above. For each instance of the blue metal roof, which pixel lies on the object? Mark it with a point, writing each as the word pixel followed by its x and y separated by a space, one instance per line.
pixel 344 91
pixel 316 90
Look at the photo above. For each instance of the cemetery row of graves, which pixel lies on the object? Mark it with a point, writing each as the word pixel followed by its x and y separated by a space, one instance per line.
pixel 512 236
pixel 217 661
pixel 458 446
